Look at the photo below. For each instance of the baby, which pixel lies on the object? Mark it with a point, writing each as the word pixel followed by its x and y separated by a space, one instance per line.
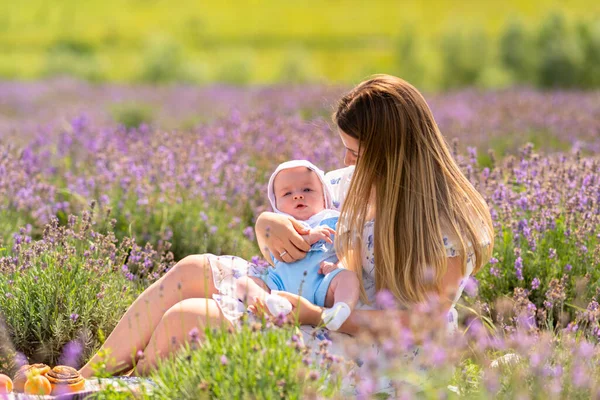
pixel 298 189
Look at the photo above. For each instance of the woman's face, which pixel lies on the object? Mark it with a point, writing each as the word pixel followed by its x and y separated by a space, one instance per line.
pixel 351 148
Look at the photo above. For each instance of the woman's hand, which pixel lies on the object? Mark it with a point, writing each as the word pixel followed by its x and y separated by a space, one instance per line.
pixel 281 236
pixel 303 311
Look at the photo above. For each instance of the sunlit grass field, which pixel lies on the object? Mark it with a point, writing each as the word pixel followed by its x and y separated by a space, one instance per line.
pixel 251 41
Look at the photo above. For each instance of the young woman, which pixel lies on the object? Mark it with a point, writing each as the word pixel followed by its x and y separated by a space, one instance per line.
pixel 410 223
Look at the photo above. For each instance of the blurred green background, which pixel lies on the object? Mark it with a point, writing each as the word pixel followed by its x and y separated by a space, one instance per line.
pixel 435 44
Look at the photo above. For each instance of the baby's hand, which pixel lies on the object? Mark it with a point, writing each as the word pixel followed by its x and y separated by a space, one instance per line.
pixel 320 233
pixel 326 267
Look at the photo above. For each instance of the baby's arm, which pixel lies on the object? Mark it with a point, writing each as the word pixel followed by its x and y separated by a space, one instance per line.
pixel 321 232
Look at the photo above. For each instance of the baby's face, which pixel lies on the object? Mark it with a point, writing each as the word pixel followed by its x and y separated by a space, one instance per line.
pixel 299 192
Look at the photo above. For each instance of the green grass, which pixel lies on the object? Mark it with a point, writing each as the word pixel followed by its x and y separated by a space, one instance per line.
pixel 343 40
pixel 503 145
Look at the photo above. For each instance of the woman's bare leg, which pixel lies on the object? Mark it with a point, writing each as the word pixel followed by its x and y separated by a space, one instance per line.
pixel 189 278
pixel 174 329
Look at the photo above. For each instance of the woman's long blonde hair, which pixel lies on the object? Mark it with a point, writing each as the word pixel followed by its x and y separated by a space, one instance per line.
pixel 420 192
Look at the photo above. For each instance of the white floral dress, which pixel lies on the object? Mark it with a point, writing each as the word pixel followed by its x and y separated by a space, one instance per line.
pixel 340 182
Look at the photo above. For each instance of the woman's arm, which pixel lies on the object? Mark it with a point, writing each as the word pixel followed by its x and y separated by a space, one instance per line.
pixel 375 322
pixel 277 233
pixel 359 320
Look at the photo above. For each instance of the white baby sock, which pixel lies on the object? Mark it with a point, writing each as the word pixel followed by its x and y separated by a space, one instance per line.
pixel 335 316
pixel 278 305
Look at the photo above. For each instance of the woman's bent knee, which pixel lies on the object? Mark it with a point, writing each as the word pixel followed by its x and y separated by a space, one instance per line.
pixel 193 311
pixel 194 272
pixel 193 265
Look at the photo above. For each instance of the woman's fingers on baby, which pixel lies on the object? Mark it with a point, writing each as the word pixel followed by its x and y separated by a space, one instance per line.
pixel 299 242
pixel 277 255
pixel 301 229
pixel 275 247
pixel 295 253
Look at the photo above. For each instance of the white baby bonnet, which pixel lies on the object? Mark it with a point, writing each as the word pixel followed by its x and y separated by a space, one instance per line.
pixel 327 191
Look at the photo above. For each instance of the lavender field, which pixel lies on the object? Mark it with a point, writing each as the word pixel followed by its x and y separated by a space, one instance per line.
pixel 113 184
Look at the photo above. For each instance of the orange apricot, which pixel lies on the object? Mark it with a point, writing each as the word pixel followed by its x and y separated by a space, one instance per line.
pixel 38 384
pixel 6 384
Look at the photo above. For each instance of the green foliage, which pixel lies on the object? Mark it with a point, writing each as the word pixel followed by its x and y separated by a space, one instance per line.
pixel 464 56
pixel 517 53
pixel 10 222
pixel 589 35
pixel 236 70
pixel 164 61
pixel 74 58
pixel 132 115
pixel 503 145
pixel 297 67
pixel 581 281
pixel 188 225
pixel 561 54
pixel 66 287
pixel 339 42
pixel 253 362
pixel 409 58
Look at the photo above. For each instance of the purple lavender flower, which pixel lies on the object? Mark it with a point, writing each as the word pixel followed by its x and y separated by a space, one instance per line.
pixel 535 283
pixel 249 233
pixel 194 334
pixel 366 387
pixel 519 268
pixel 579 377
pixel 385 299
pixel 568 268
pixel 71 354
pixel 471 286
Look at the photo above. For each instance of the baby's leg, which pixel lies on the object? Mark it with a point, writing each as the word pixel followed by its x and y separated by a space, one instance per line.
pixel 249 287
pixel 345 288
pixel 342 296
